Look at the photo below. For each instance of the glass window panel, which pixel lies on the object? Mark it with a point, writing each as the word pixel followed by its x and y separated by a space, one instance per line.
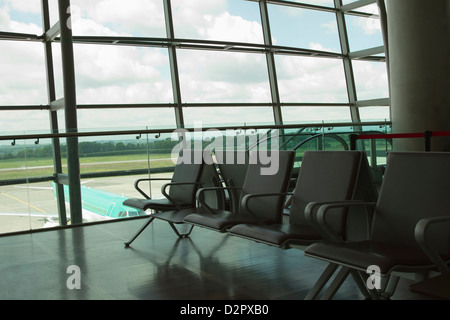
pixel 374 113
pixel 223 116
pixel 304 28
pixel 211 76
pixel 33 206
pixel 22 76
pixel 24 122
pixel 307 79
pixel 325 3
pixel 126 119
pixel 118 18
pixel 120 74
pixel 57 70
pixel 21 16
pixel 53 11
pixel 234 20
pixel 364 32
pixel 315 114
pixel 371 79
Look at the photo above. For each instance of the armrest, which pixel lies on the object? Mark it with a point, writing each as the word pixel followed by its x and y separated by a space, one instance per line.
pixel 165 194
pixel 202 190
pixel 246 199
pixel 318 219
pixel 419 233
pixel 136 185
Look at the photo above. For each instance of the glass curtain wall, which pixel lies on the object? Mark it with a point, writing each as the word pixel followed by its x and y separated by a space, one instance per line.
pixel 167 64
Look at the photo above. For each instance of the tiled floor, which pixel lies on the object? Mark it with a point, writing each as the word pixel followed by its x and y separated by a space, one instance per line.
pixel 158 266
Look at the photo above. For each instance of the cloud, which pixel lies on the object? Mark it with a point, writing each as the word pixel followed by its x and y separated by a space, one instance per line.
pixel 121 74
pixel 147 17
pixel 29 6
pixel 309 79
pixel 22 80
pixel 371 79
pixel 226 27
pixel 370 25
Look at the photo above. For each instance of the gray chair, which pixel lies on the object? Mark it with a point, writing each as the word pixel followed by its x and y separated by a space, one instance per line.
pixel 251 208
pixel 323 176
pixel 415 190
pixel 232 168
pixel 179 193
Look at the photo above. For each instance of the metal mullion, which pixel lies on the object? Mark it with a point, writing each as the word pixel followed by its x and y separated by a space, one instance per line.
pixel 18 36
pixel 173 65
pixel 361 54
pixel 125 106
pixel 24 107
pixel 224 104
pixel 373 102
pixel 314 104
pixel 270 58
pixel 68 65
pixel 298 5
pixel 57 163
pixel 356 5
pixel 348 68
pixel 201 44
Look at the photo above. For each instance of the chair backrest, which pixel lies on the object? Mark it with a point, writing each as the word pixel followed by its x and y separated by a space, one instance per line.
pixel 210 178
pixel 268 209
pixel 416 185
pixel 233 167
pixel 329 176
pixel 187 169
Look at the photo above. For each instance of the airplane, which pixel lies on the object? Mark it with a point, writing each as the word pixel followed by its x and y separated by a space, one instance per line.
pixel 97 205
pixel 100 205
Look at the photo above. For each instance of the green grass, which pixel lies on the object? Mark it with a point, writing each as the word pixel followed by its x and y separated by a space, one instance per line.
pixel 40 167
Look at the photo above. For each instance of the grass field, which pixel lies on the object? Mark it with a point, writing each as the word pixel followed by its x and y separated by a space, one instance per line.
pixel 40 167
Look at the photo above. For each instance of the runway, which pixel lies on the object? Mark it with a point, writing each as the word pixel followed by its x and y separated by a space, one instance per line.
pixel 30 206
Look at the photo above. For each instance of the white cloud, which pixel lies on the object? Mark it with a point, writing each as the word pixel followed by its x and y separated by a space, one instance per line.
pixel 371 79
pixel 226 27
pixel 120 74
pixel 147 15
pixel 331 27
pixel 7 24
pixel 309 79
pixel 370 25
pixel 30 6
pixel 22 80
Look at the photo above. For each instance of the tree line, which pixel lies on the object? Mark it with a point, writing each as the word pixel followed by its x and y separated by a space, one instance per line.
pixel 90 149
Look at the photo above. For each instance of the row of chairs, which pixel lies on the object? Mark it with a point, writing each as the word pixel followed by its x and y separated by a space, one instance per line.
pixel 335 212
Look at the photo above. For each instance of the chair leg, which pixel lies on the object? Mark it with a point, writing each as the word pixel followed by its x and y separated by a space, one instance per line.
pixel 324 277
pixel 181 235
pixel 389 290
pixel 127 244
pixel 336 284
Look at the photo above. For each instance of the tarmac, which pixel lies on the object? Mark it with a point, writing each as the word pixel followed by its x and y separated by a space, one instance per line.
pixel 31 206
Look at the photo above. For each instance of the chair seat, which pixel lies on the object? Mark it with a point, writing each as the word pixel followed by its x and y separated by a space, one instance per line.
pixel 362 254
pixel 155 204
pixel 175 216
pixel 280 235
pixel 221 220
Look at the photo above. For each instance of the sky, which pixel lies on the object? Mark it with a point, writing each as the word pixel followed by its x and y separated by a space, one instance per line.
pixel 120 74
